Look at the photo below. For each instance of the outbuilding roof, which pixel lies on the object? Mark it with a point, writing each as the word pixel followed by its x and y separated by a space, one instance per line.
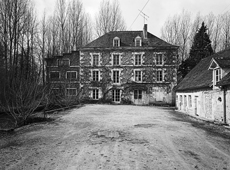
pixel 201 76
pixel 224 81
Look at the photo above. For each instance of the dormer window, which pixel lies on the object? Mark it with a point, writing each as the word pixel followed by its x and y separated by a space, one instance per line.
pixel 116 42
pixel 217 75
pixel 138 41
pixel 216 72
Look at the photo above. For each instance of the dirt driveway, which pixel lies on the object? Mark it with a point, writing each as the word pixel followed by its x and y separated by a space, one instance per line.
pixel 115 137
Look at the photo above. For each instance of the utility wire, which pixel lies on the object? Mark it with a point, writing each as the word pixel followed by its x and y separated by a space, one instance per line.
pixel 139 13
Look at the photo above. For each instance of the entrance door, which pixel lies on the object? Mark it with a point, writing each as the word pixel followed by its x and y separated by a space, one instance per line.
pixel 138 96
pixel 117 96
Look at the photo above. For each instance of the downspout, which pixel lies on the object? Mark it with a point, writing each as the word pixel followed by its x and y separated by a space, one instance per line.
pixel 224 105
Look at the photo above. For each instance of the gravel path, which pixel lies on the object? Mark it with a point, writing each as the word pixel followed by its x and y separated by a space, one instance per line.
pixel 115 137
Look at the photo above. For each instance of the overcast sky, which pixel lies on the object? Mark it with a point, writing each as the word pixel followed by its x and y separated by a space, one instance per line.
pixel 157 10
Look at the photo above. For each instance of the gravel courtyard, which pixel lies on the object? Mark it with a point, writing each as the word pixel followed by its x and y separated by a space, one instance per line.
pixel 116 137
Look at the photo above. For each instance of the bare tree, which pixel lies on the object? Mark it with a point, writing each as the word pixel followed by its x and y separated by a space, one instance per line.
pixel 177 31
pixel 109 18
pixel 226 30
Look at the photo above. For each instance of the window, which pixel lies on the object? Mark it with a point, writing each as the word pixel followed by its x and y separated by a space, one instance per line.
pixel 137 94
pixel 159 59
pixel 116 95
pixel 137 59
pixel 116 42
pixel 71 92
pixel 159 75
pixel 95 94
pixel 185 100
pixel 116 59
pixel 190 100
pixel 116 76
pixel 63 62
pixel 71 75
pixel 138 41
pixel 54 75
pixel 138 76
pixel 218 75
pixel 95 60
pixel 96 75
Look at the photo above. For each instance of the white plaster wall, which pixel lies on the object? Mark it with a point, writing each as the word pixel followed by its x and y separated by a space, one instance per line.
pixel 218 105
pixel 209 104
pixel 201 103
pixel 228 106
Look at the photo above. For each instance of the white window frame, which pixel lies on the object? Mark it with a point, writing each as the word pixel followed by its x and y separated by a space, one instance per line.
pixel 98 74
pixel 162 59
pixel 116 54
pixel 134 58
pixel 118 42
pixel 190 100
pixel 71 72
pixel 99 58
pixel 119 73
pixel 219 75
pixel 138 38
pixel 162 75
pixel 98 93
pixel 55 72
pixel 114 95
pixel 139 70
pixel 71 89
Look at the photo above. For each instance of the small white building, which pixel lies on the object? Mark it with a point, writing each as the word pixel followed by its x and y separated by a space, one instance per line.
pixel 205 91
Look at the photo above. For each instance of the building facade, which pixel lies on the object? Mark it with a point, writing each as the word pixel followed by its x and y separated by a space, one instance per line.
pixel 63 74
pixel 129 66
pixel 205 91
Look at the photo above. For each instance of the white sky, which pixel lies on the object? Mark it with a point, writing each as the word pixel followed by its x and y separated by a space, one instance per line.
pixel 157 10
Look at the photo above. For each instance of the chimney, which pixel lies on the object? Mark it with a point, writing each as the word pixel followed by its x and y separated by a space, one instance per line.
pixel 145 32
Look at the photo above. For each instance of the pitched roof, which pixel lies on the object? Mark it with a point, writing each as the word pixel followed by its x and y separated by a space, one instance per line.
pixel 223 63
pixel 224 81
pixel 127 39
pixel 200 76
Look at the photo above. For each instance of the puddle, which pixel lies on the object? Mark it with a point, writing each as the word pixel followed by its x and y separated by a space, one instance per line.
pixel 144 125
pixel 104 136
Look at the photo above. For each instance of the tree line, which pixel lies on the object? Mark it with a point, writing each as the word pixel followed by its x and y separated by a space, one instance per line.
pixel 180 30
pixel 25 42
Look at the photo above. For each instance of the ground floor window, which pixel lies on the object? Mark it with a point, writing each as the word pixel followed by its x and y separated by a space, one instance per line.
pixel 95 94
pixel 71 92
pixel 137 94
pixel 116 95
pixel 190 100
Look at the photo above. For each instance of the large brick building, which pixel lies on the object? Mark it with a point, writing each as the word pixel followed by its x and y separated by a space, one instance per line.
pixel 131 66
pixel 126 66
pixel 63 73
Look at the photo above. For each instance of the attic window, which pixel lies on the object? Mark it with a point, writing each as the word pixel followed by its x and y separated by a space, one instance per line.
pixel 116 42
pixel 138 41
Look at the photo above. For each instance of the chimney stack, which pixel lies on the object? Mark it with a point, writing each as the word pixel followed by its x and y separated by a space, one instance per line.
pixel 145 32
